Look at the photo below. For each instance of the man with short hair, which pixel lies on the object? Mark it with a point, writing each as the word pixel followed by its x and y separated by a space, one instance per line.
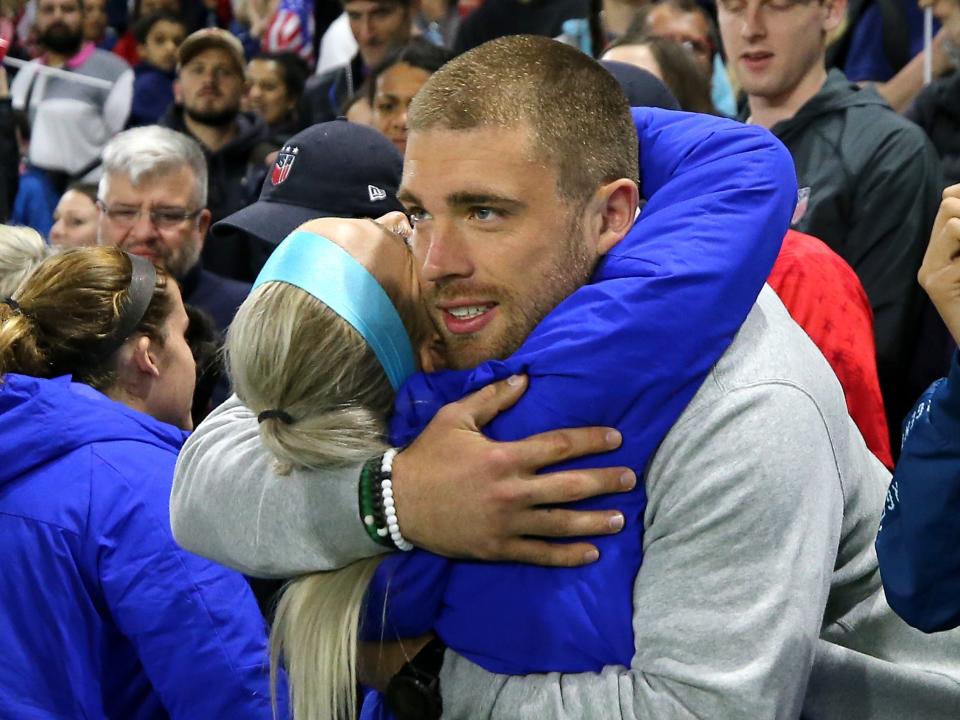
pixel 869 180
pixel 70 117
pixel 758 595
pixel 153 202
pixel 378 27
pixel 209 89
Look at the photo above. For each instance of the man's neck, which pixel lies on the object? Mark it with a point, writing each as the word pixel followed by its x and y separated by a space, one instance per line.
pixel 213 138
pixel 53 59
pixel 768 111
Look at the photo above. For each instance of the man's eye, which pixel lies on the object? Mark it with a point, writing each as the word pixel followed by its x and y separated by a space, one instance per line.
pixel 484 214
pixel 124 215
pixel 417 215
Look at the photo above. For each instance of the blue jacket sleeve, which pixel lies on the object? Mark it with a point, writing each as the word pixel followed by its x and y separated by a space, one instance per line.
pixel 195 625
pixel 918 544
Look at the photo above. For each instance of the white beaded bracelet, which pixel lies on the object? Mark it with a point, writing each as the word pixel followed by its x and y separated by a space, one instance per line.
pixel 389 508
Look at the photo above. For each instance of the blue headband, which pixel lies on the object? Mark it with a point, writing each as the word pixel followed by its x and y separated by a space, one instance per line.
pixel 329 273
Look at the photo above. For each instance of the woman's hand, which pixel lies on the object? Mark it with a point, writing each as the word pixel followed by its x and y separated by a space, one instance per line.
pixel 939 274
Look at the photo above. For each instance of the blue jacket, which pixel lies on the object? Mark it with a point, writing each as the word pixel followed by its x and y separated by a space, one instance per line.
pixel 918 544
pixel 102 615
pixel 630 349
pixel 152 94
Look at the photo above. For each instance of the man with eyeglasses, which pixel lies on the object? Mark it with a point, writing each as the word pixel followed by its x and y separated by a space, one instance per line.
pixel 153 202
pixel 209 88
pixel 869 180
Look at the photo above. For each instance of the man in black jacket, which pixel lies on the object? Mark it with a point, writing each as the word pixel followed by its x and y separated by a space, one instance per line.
pixel 869 180
pixel 210 85
pixel 378 26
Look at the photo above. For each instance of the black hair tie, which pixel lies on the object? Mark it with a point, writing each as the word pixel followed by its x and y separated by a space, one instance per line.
pixel 280 415
pixel 13 305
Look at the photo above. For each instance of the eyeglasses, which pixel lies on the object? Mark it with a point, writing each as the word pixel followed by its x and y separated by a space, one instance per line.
pixel 162 218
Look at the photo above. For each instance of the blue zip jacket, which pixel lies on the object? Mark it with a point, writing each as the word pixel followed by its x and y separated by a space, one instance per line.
pixel 918 544
pixel 102 615
pixel 630 349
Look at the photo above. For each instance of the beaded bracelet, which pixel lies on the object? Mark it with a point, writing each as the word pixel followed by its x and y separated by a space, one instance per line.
pixel 389 508
pixel 371 504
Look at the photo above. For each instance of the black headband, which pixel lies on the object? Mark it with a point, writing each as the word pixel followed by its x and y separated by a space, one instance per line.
pixel 143 281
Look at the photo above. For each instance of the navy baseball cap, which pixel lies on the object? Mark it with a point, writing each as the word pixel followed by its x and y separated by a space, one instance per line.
pixel 642 88
pixel 332 169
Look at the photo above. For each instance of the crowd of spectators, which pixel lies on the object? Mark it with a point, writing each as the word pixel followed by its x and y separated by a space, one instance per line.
pixel 200 133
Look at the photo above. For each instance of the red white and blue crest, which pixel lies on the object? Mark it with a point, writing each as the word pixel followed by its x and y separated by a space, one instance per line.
pixel 284 164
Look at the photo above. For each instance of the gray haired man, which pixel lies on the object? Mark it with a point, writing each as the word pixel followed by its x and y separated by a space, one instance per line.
pixel 153 202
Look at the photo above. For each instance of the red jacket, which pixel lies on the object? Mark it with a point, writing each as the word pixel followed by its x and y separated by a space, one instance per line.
pixel 823 294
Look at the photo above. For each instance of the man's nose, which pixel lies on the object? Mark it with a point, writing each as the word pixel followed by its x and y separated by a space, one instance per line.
pixel 144 228
pixel 752 26
pixel 365 30
pixel 442 251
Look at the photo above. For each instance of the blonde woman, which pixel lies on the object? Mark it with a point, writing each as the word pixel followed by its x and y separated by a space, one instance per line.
pixel 317 353
pixel 21 250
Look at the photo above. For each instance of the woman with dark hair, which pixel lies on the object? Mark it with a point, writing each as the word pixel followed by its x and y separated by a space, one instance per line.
pixel 670 62
pixel 275 84
pixel 395 81
pixel 102 614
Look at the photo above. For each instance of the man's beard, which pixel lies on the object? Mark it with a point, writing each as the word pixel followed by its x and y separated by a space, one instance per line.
pixel 60 39
pixel 571 269
pixel 181 261
pixel 213 118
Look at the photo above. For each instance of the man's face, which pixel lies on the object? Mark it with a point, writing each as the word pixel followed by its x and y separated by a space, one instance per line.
pixel 687 29
pixel 172 238
pixel 94 19
pixel 378 26
pixel 211 87
pixel 60 25
pixel 496 246
pixel 775 45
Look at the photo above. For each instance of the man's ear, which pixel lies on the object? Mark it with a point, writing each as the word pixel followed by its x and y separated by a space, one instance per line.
pixel 177 92
pixel 203 226
pixel 834 13
pixel 615 210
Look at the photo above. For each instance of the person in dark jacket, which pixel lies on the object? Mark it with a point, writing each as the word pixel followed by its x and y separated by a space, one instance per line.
pixel 153 203
pixel 102 613
pixel 869 180
pixel 211 86
pixel 918 544
pixel 378 27
pixel 937 107
pixel 158 37
pixel 275 83
pixel 937 111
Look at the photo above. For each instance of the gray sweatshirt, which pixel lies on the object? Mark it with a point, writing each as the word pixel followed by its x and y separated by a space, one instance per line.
pixel 759 594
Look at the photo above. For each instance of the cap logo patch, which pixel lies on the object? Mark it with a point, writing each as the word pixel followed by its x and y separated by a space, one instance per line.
pixel 376 193
pixel 284 164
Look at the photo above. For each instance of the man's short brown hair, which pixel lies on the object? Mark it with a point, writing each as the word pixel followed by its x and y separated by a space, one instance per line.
pixel 578 113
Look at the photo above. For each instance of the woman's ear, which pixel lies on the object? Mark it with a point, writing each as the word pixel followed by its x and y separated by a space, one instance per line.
pixel 616 205
pixel 431 355
pixel 143 357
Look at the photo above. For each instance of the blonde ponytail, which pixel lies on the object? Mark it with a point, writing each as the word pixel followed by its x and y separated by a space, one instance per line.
pixel 288 353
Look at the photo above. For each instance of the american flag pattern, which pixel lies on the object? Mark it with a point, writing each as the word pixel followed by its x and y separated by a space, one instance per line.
pixel 291 29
